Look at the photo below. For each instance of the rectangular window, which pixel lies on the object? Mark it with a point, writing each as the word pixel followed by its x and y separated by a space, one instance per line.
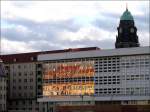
pixel 19 73
pixel 25 80
pixel 31 80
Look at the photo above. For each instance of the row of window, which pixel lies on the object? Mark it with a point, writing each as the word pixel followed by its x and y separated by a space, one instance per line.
pixel 135 60
pixel 108 77
pixel 123 77
pixel 134 66
pixel 104 91
pixel 30 109
pixel 115 64
pixel 22 95
pixel 117 69
pixel 23 102
pixel 23 80
pixel 25 87
pixel 25 105
pixel 3 107
pixel 106 70
pixel 135 102
pixel 23 74
pixel 136 77
pixel 127 91
pixel 107 80
pixel 2 79
pixel 3 87
pixel 107 83
pixel 2 96
pixel 107 59
pixel 20 66
pixel 79 79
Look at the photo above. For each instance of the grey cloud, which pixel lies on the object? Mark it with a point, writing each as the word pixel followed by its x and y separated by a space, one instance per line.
pixel 142 23
pixel 42 46
pixel 106 43
pixel 111 22
pixel 45 35
pixel 106 24
pixel 46 30
pixel 41 36
pixel 64 24
pixel 111 15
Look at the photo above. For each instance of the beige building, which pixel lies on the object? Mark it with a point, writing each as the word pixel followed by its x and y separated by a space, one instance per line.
pixel 3 88
pixel 25 80
pixel 22 85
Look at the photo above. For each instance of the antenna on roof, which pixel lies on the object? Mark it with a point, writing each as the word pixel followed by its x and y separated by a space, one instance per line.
pixel 126 6
pixel 0 45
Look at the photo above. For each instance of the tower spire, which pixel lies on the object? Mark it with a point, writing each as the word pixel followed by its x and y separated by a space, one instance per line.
pixel 126 6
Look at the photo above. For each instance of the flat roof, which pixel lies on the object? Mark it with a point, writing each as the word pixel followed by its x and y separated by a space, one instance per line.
pixel 95 53
pixel 32 56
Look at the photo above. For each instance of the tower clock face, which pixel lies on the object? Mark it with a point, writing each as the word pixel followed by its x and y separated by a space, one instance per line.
pixel 120 30
pixel 132 30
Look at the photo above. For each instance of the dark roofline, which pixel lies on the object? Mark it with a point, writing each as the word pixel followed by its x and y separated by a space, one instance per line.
pixel 32 56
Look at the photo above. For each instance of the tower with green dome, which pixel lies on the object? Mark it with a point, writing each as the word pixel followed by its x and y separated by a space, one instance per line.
pixel 127 32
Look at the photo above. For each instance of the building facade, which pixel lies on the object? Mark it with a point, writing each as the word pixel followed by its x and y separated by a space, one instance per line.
pixel 25 80
pixel 54 81
pixel 22 85
pixel 3 89
pixel 96 77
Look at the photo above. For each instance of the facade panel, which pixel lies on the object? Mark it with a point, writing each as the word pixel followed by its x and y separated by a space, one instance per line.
pixel 116 77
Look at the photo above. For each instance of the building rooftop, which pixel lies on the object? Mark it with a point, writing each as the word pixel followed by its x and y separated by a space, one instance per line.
pixel 32 56
pixel 96 53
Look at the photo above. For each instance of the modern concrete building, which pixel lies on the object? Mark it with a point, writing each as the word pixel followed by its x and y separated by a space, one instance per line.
pixel 3 89
pixel 25 80
pixel 116 76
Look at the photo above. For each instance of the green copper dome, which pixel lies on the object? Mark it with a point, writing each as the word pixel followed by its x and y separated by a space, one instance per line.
pixel 126 15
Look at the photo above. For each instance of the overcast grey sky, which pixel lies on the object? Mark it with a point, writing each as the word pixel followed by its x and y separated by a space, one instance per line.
pixel 34 26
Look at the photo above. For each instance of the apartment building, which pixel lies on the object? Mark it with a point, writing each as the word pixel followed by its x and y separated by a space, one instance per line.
pixel 22 86
pixel 3 88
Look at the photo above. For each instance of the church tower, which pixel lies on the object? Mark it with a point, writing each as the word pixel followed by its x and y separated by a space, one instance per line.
pixel 127 32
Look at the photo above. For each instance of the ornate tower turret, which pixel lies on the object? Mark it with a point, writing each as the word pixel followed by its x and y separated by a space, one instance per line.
pixel 127 32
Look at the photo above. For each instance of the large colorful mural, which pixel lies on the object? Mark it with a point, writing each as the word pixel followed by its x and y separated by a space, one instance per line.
pixel 68 70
